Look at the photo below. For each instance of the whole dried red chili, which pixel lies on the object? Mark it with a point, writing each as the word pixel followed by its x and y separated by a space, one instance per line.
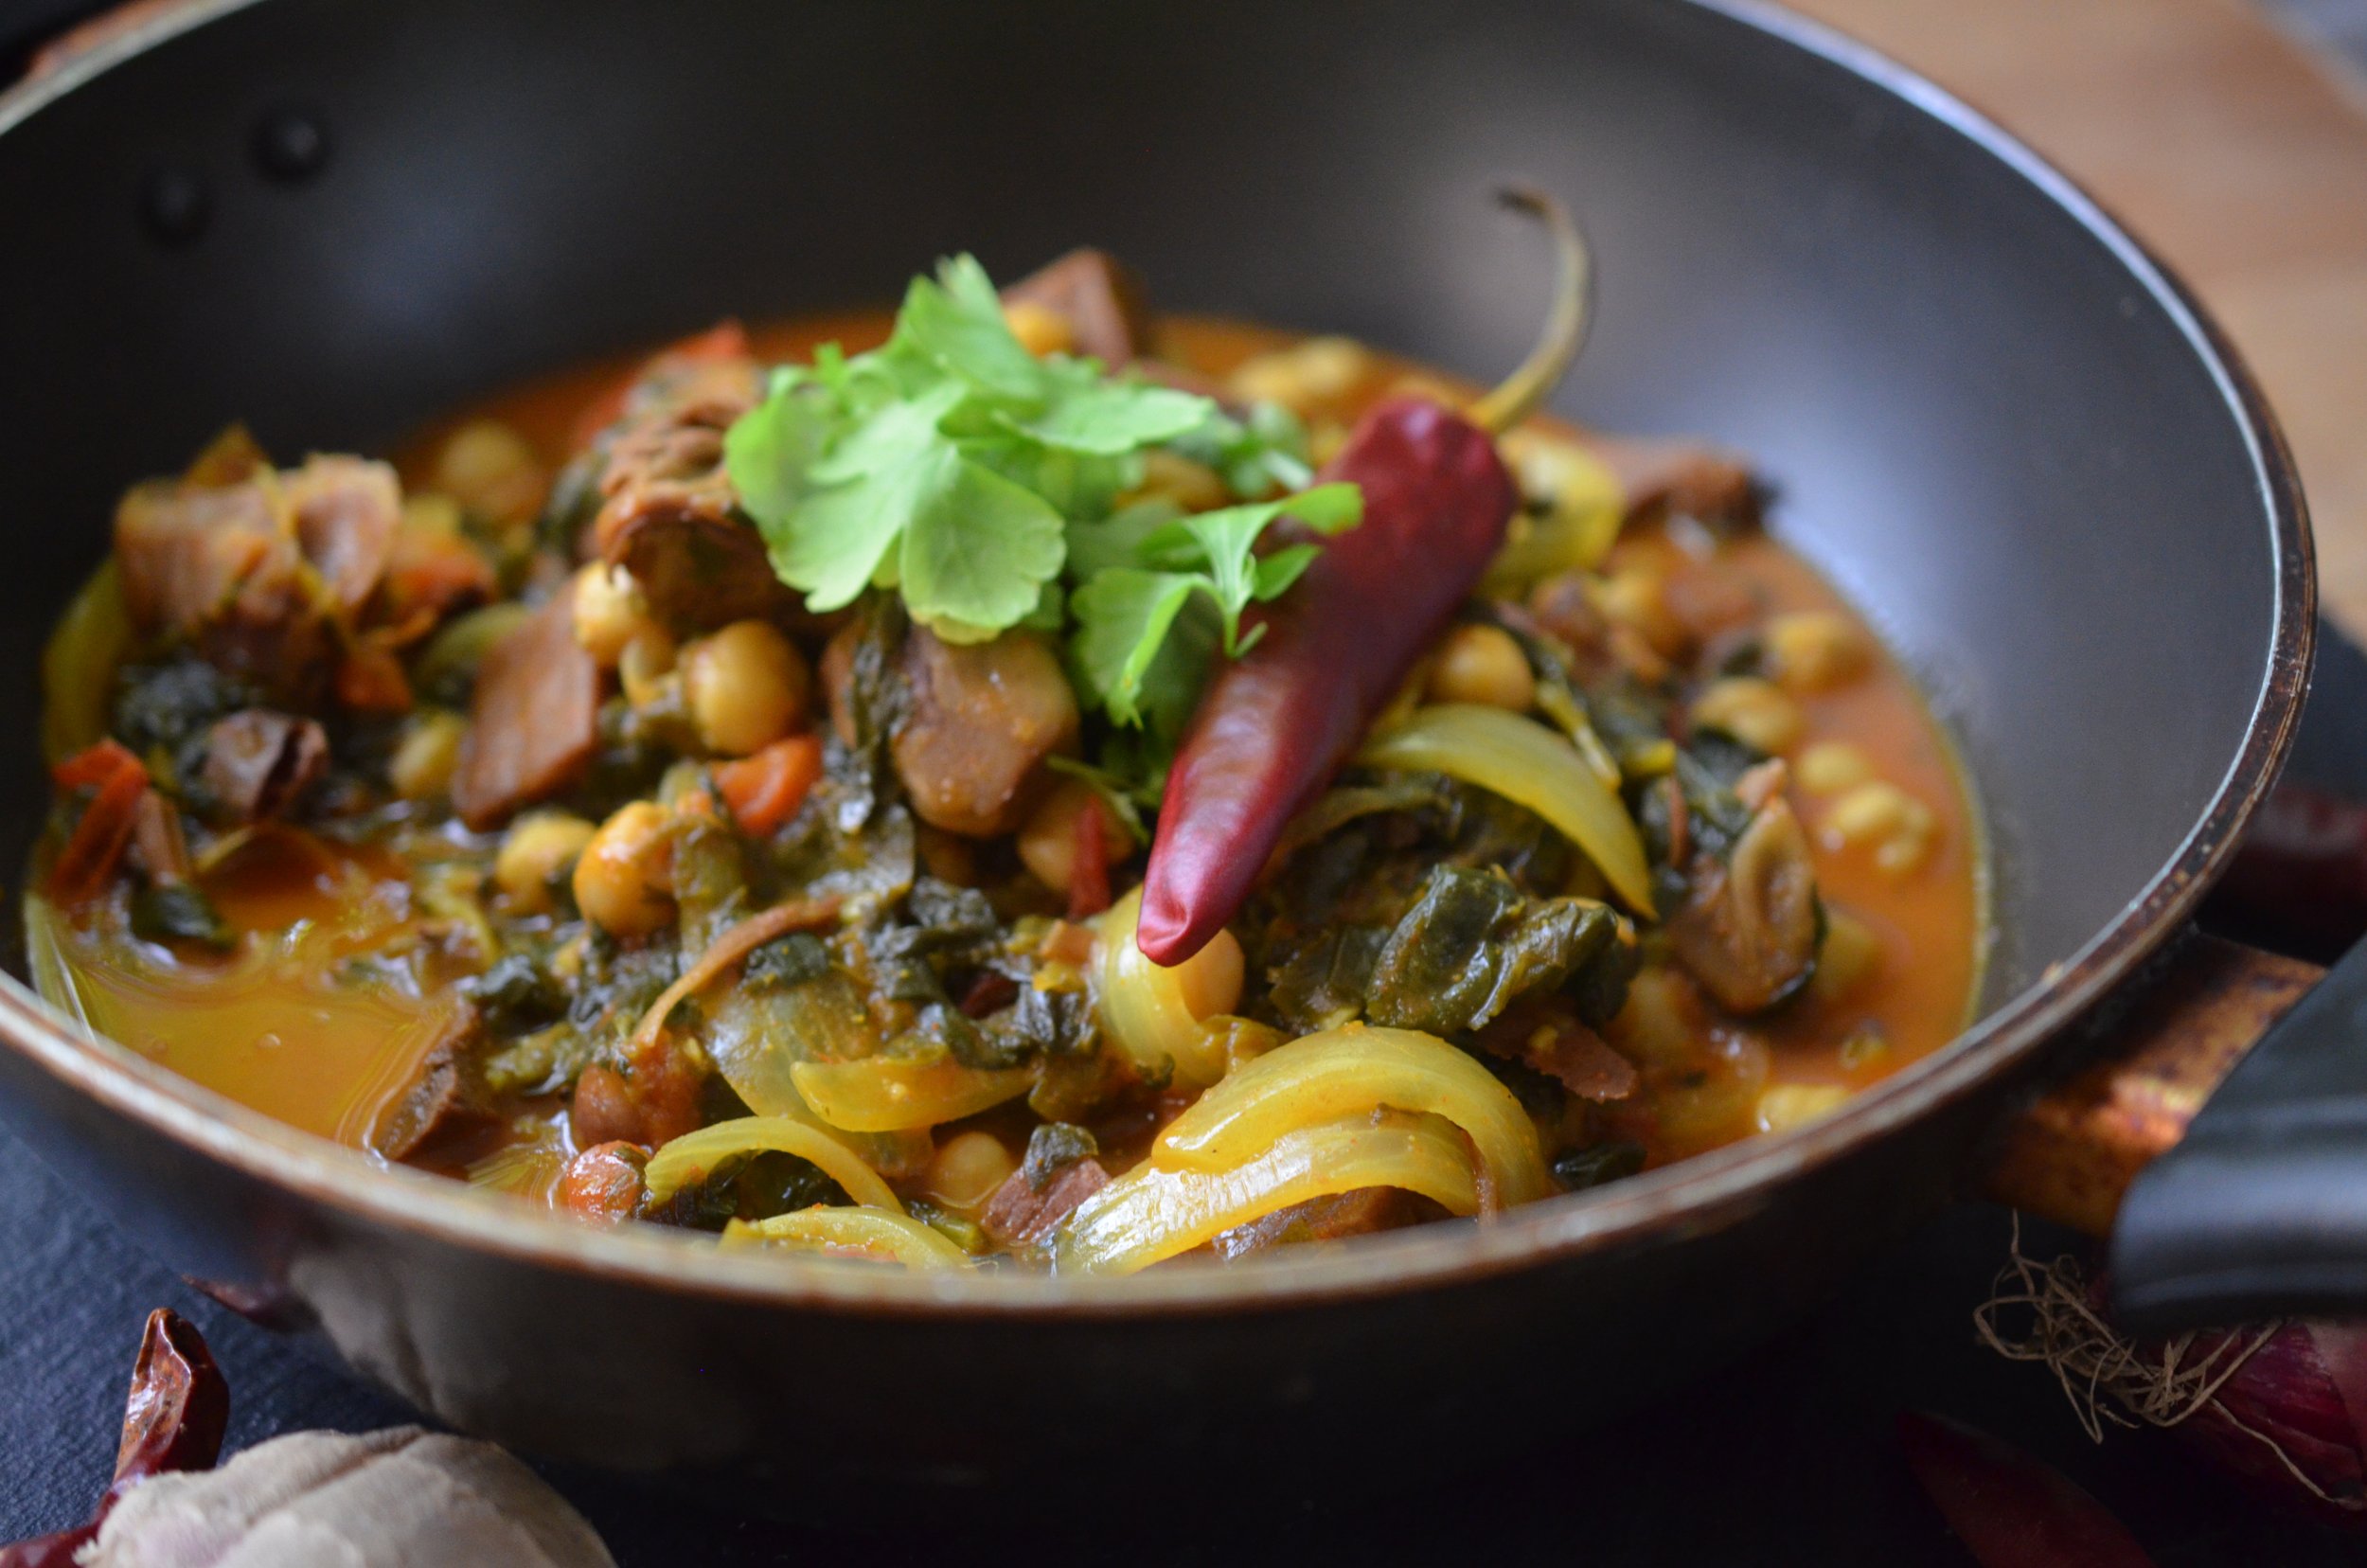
pixel 179 1406
pixel 174 1420
pixel 1274 726
pixel 2009 1510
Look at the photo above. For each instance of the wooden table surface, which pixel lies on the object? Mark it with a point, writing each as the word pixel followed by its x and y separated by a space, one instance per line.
pixel 2233 151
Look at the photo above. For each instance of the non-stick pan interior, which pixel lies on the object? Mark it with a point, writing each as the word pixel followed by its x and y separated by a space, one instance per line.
pixel 2010 452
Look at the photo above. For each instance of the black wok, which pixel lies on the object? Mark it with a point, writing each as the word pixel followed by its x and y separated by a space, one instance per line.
pixel 1994 421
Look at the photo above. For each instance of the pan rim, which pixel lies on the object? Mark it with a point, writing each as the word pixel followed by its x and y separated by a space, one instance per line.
pixel 1703 1192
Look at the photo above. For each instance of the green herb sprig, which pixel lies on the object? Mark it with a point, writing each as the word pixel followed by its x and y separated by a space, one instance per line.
pixel 1125 610
pixel 980 482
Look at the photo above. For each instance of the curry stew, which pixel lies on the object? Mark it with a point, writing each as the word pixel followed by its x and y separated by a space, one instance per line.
pixel 720 796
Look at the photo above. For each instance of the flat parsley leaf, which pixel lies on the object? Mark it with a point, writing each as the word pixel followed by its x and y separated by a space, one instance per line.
pixel 1126 612
pixel 958 323
pixel 947 463
pixel 980 552
pixel 1258 454
pixel 979 482
pixel 1105 418
pixel 1122 619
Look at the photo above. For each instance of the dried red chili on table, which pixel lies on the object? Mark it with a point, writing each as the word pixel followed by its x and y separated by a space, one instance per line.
pixel 2010 1511
pixel 174 1420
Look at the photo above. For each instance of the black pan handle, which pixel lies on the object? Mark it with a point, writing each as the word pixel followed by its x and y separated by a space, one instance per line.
pixel 2260 1211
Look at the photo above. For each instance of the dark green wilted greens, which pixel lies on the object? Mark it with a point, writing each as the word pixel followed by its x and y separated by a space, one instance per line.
pixel 1472 945
pixel 1421 903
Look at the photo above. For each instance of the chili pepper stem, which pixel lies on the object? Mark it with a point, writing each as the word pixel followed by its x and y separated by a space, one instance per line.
pixel 1520 394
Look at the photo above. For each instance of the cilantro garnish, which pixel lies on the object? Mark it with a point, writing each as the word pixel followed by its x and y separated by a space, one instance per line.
pixel 945 463
pixel 979 482
pixel 1126 612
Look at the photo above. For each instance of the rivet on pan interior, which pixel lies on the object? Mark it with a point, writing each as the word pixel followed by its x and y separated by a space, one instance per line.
pixel 291 144
pixel 175 205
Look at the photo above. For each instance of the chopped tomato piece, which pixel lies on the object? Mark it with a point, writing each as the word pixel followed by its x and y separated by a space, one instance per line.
pixel 370 679
pixel 1089 868
pixel 765 790
pixel 96 847
pixel 95 765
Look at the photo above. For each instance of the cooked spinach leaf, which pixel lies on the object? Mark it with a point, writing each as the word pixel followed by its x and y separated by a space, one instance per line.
pixel 1473 943
pixel 1052 1149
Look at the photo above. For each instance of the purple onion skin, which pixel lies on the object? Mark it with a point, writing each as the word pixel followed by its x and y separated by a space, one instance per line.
pixel 2306 1391
pixel 2009 1510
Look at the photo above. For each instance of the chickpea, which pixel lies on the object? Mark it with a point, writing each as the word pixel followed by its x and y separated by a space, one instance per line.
pixel 1446 393
pixel 746 686
pixel 1783 1106
pixel 1871 810
pixel 1851 955
pixel 1040 329
pixel 948 857
pixel 424 759
pixel 1574 507
pixel 1753 711
pixel 1048 840
pixel 1903 854
pixel 1715 1097
pixel 609 611
pixel 1879 815
pixel 1636 597
pixel 624 879
pixel 1828 767
pixel 1209 982
pixel 601 1112
pixel 535 854
pixel 1660 1020
pixel 490 470
pixel 431 513
pixel 646 669
pixel 1306 375
pixel 1483 663
pixel 1816 650
pixel 967 1169
pixel 1194 486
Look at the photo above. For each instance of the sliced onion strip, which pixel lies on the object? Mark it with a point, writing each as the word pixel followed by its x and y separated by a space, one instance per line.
pixel 871 1232
pixel 1351 1072
pixel 728 950
pixel 892 1095
pixel 1151 1214
pixel 689 1158
pixel 1529 765
pixel 1145 1007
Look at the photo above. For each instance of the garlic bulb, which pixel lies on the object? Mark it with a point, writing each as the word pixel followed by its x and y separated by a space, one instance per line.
pixel 326 1500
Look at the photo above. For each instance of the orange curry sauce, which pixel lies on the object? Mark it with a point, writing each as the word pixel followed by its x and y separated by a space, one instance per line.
pixel 269 1028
